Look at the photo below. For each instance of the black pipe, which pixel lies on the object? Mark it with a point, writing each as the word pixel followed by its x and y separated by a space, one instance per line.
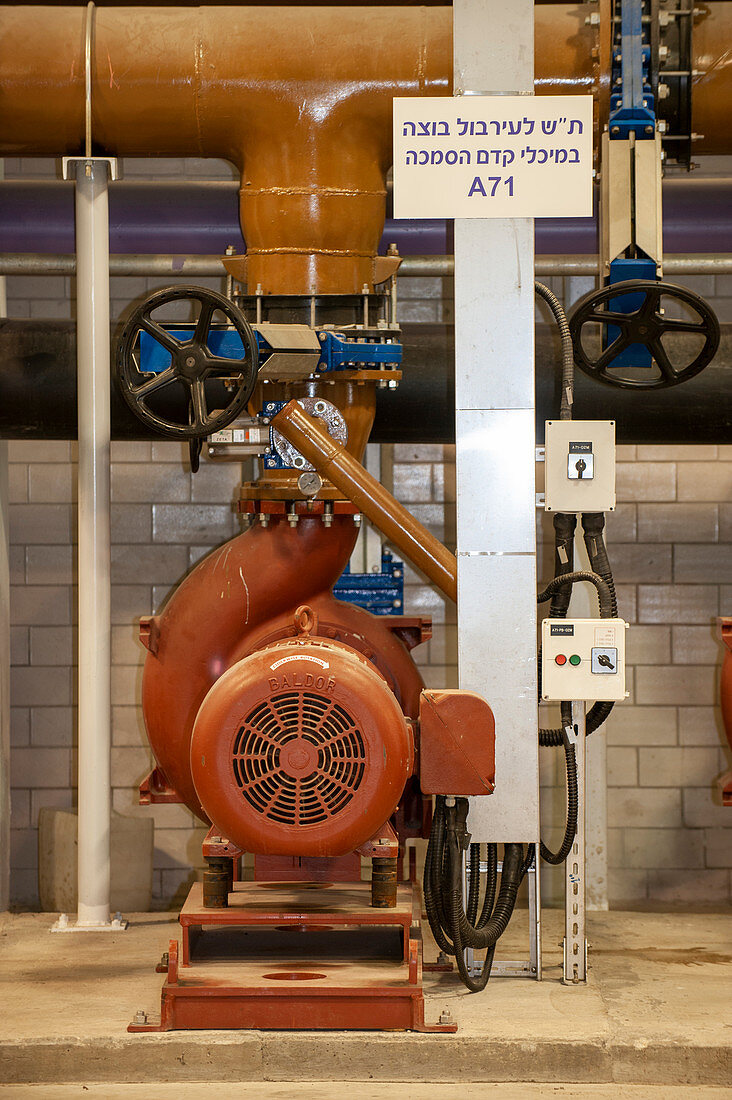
pixel 38 392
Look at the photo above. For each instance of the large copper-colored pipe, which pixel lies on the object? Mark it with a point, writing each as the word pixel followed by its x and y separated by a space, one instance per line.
pixel 298 98
pixel 333 461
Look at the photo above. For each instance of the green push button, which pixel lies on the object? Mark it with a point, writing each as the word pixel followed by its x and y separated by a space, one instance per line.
pixel 575 659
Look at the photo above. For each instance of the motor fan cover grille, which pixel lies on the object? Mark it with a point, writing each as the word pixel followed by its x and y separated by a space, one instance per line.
pixel 298 758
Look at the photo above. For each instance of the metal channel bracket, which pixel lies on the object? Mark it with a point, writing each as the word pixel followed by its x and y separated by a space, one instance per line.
pixel 511 968
pixel 575 940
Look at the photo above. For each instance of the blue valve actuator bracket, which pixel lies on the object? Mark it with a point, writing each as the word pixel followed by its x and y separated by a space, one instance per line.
pixel 632 105
pixel 336 352
pixel 632 111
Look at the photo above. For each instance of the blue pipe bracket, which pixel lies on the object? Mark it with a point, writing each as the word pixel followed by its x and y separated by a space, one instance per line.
pixel 380 593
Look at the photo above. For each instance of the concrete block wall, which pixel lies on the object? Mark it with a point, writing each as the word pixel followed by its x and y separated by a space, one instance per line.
pixel 670 842
pixel 163 520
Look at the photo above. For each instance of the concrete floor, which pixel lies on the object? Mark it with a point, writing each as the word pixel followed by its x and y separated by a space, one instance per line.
pixel 334 1090
pixel 655 1014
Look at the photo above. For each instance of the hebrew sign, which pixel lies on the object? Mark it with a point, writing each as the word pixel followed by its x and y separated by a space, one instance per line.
pixel 493 157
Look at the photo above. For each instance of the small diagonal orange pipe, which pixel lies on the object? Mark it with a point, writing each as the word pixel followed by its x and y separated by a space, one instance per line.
pixel 333 461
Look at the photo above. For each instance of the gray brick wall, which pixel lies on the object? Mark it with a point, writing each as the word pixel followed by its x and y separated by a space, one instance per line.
pixel 163 520
pixel 669 839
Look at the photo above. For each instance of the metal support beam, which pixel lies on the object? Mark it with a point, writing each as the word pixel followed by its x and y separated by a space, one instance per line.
pixel 575 940
pixel 494 426
pixel 366 556
pixel 583 605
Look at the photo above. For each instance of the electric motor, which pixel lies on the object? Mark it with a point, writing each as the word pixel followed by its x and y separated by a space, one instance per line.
pixel 301 749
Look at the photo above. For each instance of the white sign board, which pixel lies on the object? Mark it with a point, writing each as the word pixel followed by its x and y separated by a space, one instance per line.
pixel 493 157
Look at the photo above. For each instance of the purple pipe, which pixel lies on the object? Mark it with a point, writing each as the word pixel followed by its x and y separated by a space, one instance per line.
pixel 203 218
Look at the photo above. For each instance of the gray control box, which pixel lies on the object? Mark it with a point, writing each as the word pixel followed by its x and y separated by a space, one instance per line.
pixel 580 465
pixel 583 659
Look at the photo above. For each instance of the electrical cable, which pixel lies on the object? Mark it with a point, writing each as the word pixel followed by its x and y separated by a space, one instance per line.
pixel 454 927
pixel 593 524
pixel 567 399
pixel 570 830
pixel 603 589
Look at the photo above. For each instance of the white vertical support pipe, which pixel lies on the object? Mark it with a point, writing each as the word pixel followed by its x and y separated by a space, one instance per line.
pixel 495 442
pixel 93 380
pixel 4 653
pixel 366 556
pixel 4 682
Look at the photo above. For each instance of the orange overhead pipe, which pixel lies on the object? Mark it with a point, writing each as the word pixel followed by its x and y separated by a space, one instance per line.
pixel 298 98
pixel 333 461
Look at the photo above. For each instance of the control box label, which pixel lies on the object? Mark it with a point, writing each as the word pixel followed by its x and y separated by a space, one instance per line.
pixel 580 448
pixel 561 628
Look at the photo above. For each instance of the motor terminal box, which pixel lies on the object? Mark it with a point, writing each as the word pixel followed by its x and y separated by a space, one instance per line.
pixel 579 465
pixel 583 659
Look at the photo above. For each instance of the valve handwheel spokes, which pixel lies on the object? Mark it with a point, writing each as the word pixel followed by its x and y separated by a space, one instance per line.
pixel 634 313
pixel 193 366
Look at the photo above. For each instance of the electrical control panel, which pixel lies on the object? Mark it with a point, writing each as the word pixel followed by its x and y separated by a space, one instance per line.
pixel 580 465
pixel 583 659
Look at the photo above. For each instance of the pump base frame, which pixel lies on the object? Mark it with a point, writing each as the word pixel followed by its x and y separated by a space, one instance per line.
pixel 263 991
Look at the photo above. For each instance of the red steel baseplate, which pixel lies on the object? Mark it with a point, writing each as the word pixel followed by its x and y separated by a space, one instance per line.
pixel 295 955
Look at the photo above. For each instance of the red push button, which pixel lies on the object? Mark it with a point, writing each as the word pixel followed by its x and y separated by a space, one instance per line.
pixel 560 659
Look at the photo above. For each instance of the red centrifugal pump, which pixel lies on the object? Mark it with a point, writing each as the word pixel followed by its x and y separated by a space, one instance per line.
pixel 275 711
pixel 298 727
